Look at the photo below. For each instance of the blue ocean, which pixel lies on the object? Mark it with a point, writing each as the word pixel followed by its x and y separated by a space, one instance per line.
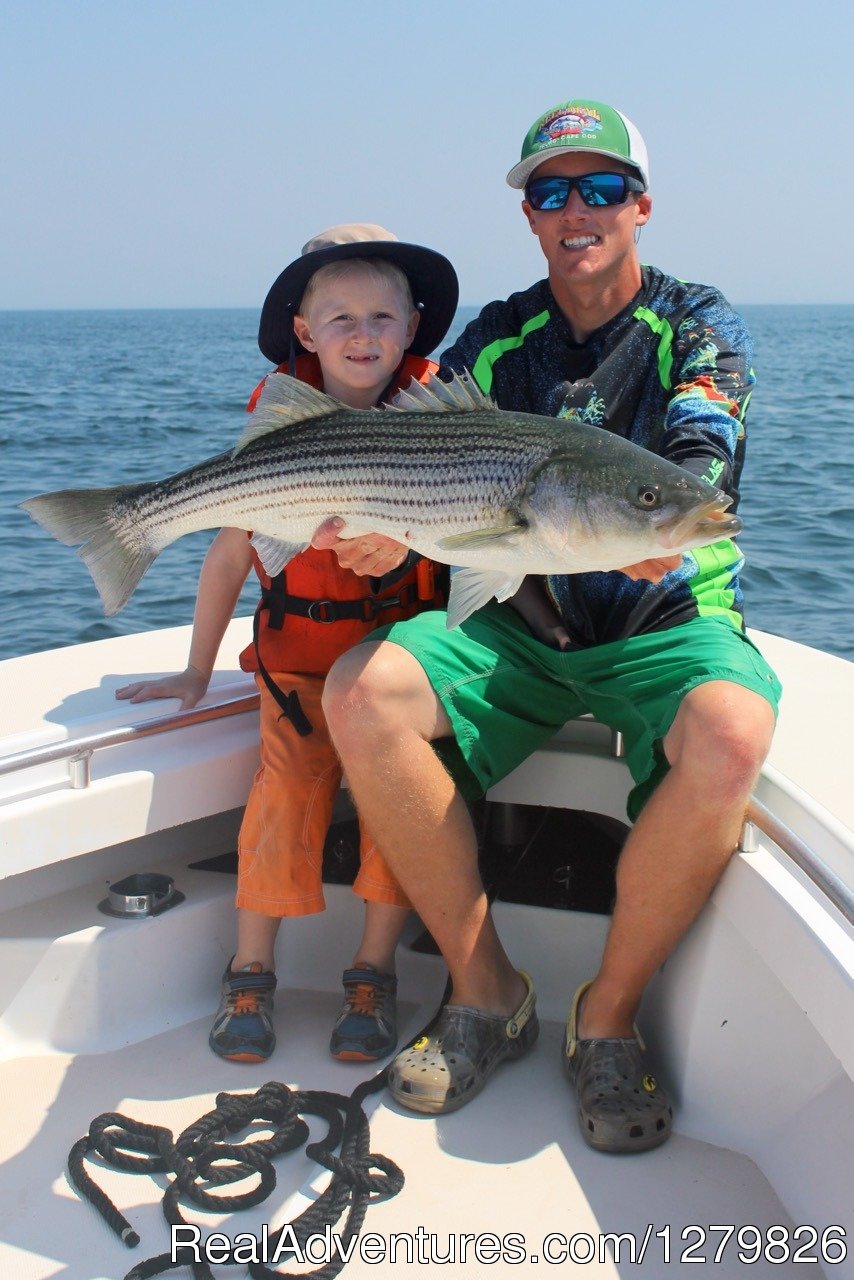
pixel 94 398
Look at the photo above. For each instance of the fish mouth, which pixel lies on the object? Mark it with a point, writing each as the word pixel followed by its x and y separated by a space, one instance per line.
pixel 709 520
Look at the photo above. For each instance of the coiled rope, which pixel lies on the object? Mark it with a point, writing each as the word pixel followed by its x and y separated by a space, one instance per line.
pixel 200 1159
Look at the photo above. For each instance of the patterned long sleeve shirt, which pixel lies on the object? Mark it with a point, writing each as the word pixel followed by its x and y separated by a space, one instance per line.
pixel 671 372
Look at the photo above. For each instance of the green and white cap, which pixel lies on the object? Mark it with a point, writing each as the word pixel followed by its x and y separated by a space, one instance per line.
pixel 581 125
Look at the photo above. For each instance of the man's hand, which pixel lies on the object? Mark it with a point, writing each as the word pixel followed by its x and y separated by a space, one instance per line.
pixel 533 605
pixel 372 555
pixel 652 570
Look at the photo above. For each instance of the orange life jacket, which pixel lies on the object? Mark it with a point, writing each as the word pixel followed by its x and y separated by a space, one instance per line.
pixel 298 626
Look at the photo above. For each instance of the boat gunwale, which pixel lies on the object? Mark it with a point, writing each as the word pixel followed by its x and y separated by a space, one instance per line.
pixel 78 751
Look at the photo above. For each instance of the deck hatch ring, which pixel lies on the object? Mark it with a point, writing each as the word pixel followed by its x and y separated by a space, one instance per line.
pixel 141 894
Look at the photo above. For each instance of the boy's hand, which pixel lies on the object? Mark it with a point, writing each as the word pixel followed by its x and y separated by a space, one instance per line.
pixel 189 686
pixel 652 570
pixel 372 555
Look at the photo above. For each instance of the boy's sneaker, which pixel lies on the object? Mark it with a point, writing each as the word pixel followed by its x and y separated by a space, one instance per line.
pixel 243 1026
pixel 367 1024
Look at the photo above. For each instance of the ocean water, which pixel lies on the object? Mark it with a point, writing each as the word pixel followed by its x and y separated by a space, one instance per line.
pixel 93 398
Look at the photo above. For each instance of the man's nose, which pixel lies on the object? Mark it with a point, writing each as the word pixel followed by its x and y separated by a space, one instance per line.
pixel 575 204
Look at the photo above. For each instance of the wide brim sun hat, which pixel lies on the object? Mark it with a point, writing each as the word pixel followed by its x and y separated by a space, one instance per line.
pixel 585 126
pixel 432 279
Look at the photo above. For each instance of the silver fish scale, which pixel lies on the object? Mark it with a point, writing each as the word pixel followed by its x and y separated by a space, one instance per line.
pixel 522 494
pixel 449 470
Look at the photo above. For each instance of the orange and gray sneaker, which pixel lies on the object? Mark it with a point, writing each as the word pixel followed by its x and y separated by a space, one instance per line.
pixel 243 1026
pixel 367 1024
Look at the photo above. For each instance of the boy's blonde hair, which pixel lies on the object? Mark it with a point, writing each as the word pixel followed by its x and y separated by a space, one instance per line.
pixel 378 268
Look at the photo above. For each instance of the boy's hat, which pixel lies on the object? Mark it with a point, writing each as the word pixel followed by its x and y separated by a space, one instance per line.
pixel 581 125
pixel 432 279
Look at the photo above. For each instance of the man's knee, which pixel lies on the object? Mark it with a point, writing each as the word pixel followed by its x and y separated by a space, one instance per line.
pixel 352 685
pixel 722 734
pixel 374 688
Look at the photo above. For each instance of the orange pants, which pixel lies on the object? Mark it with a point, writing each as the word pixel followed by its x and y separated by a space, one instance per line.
pixel 280 848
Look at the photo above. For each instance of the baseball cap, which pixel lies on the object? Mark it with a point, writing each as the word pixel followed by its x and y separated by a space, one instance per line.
pixel 581 125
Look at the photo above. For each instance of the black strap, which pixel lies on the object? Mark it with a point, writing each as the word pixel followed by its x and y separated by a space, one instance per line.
pixel 394 575
pixel 289 702
pixel 365 609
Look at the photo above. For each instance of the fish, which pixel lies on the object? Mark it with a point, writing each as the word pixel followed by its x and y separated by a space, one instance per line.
pixel 494 493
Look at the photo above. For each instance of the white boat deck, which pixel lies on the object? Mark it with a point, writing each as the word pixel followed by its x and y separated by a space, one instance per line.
pixel 511 1162
pixel 750 1022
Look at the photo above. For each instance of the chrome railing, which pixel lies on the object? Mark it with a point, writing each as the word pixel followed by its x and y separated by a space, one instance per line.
pixel 78 752
pixel 760 817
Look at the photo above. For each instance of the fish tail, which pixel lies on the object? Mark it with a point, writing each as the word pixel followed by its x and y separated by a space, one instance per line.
pixel 112 544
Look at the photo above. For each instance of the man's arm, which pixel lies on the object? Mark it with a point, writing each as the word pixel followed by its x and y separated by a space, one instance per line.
pixel 221 580
pixel 713 381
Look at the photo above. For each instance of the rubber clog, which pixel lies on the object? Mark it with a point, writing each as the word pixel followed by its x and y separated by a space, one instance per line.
pixel 621 1106
pixel 443 1070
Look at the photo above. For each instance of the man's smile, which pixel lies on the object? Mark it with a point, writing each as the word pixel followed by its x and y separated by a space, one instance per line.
pixel 579 242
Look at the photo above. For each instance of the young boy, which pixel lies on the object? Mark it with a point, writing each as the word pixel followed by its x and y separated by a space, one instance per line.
pixel 354 315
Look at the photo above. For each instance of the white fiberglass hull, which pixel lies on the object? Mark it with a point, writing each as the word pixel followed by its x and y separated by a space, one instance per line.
pixel 750 1022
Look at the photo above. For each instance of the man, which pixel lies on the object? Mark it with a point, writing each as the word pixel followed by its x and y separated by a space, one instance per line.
pixel 657 650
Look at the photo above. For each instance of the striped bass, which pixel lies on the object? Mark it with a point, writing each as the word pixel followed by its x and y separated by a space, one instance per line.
pixel 442 470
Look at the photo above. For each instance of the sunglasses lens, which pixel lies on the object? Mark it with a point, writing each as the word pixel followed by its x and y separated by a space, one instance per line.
pixel 595 189
pixel 602 188
pixel 548 193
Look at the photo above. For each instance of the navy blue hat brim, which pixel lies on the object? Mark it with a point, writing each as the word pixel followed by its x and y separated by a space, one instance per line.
pixel 432 279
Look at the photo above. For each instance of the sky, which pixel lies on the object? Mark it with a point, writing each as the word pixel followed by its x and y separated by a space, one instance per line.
pixel 178 153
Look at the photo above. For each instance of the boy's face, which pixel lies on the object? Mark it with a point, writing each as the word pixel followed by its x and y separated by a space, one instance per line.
pixel 359 326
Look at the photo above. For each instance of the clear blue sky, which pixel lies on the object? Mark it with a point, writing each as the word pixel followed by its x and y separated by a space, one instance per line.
pixel 163 153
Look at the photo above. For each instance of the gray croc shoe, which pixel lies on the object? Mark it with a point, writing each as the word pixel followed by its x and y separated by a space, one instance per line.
pixel 445 1069
pixel 621 1106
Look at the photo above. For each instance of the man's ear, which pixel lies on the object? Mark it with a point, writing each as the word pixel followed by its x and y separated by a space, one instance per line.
pixel 529 214
pixel 303 333
pixel 644 209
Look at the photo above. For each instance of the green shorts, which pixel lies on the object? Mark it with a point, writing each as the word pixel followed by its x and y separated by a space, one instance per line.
pixel 506 693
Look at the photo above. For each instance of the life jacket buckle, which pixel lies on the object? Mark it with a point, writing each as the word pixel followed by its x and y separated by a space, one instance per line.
pixel 321 611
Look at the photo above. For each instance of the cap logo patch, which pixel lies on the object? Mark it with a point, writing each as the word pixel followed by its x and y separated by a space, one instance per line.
pixel 573 122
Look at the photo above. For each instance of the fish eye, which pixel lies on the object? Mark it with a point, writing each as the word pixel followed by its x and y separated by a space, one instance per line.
pixel 645 496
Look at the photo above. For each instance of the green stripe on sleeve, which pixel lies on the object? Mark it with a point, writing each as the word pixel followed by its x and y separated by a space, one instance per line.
pixel 482 370
pixel 746 401
pixel 663 328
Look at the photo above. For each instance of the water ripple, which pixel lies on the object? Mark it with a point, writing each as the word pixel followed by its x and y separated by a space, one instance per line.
pixel 95 398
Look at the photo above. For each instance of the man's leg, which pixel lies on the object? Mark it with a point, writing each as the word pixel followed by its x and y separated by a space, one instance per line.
pixel 383 715
pixel 670 863
pixel 679 846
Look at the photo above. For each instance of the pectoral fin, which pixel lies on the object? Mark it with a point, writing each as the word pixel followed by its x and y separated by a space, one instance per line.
pixel 483 537
pixel 275 554
pixel 471 589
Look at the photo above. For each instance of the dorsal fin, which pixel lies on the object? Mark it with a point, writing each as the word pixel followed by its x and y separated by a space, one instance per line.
pixel 284 401
pixel 460 395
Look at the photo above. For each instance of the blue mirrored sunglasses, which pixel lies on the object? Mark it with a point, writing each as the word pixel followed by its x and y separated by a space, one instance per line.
pixel 595 189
